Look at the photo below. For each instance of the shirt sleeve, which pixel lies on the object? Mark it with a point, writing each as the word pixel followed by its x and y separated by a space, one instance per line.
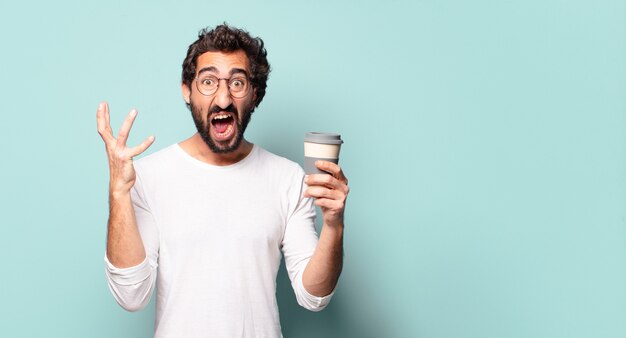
pixel 132 287
pixel 299 243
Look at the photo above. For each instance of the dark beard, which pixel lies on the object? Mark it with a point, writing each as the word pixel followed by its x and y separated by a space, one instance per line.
pixel 203 129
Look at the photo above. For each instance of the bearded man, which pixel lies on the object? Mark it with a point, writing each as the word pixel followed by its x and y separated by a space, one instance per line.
pixel 205 221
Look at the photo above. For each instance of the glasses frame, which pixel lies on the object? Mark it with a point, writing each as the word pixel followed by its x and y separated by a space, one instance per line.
pixel 227 79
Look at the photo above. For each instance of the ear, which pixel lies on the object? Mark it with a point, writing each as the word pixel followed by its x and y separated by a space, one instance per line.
pixel 186 92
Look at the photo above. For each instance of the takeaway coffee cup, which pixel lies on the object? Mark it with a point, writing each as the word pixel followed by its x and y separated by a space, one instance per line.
pixel 320 146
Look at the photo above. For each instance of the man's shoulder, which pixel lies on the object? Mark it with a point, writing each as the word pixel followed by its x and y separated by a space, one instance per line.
pixel 279 172
pixel 156 167
pixel 158 158
pixel 277 161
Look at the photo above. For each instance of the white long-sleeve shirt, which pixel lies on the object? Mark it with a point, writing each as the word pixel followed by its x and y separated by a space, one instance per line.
pixel 213 237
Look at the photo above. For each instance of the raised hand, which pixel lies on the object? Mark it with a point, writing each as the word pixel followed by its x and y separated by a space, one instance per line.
pixel 330 192
pixel 122 171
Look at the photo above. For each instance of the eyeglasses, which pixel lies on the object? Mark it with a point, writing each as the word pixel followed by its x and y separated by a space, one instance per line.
pixel 238 85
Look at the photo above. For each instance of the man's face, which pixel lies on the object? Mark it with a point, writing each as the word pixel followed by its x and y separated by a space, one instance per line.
pixel 220 118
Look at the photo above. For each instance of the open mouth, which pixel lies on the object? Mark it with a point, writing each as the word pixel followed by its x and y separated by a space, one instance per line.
pixel 223 124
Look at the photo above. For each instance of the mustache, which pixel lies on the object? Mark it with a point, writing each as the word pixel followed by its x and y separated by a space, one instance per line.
pixel 216 109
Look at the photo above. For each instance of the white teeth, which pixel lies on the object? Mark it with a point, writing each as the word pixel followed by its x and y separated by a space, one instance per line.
pixel 221 117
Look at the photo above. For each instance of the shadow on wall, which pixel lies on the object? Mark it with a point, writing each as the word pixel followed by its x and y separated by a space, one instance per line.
pixel 340 319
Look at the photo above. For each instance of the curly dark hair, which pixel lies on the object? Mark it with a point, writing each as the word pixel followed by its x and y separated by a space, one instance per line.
pixel 225 38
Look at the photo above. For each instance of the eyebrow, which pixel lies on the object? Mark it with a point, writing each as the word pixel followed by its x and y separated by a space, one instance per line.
pixel 232 71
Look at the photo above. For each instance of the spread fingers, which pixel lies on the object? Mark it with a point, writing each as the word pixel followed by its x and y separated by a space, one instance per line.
pixel 138 149
pixel 104 127
pixel 122 136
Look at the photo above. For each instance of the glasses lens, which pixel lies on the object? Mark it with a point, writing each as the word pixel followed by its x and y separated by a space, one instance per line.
pixel 238 86
pixel 207 84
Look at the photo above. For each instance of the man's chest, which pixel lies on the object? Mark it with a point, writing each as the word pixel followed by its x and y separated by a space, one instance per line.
pixel 221 214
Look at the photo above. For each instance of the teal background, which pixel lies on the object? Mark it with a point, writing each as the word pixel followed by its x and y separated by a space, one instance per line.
pixel 485 145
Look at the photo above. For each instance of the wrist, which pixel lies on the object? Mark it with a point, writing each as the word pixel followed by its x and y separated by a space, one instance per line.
pixel 333 228
pixel 118 193
pixel 334 222
pixel 119 188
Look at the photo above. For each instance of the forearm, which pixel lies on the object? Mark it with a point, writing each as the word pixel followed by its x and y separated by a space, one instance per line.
pixel 124 245
pixel 322 272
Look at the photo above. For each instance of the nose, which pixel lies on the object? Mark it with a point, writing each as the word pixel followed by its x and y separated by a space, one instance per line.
pixel 222 96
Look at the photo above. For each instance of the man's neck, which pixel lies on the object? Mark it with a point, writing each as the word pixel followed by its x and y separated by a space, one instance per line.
pixel 197 148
